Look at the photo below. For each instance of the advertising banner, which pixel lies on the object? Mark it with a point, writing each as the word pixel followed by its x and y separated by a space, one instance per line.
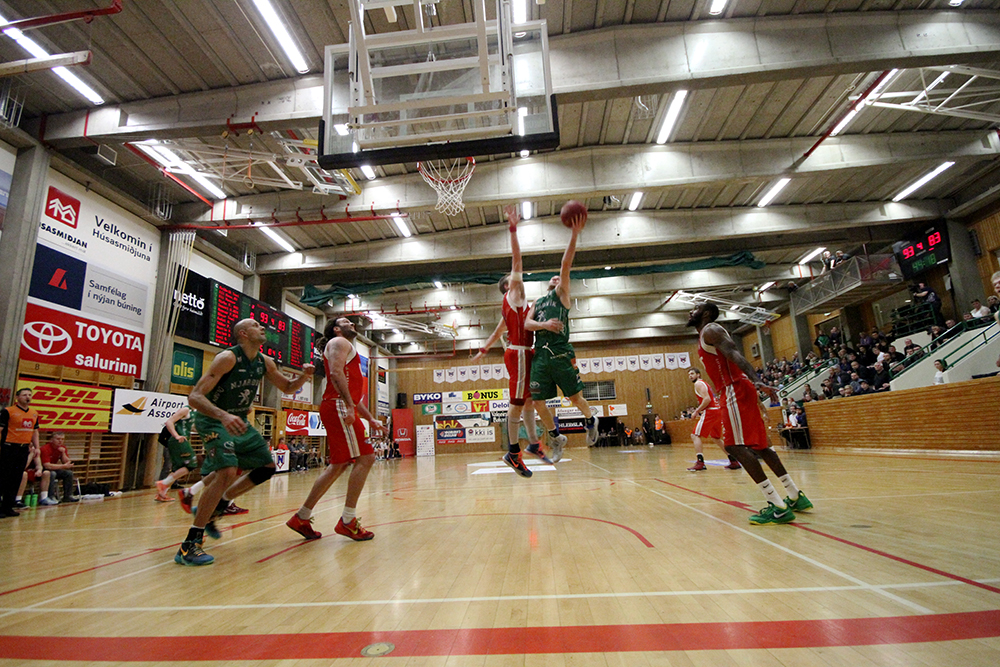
pixel 192 322
pixel 296 422
pixel 480 434
pixel 430 408
pixel 462 408
pixel 316 424
pixel 618 410
pixel 186 366
pixel 143 411
pixel 53 337
pixel 451 436
pixel 402 431
pixel 425 440
pixel 468 421
pixel 63 406
pixel 433 397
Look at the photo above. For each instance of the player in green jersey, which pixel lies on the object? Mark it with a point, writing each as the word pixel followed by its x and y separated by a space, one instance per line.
pixel 222 398
pixel 554 364
pixel 175 436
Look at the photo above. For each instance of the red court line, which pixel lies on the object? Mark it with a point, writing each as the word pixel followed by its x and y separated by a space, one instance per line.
pixel 878 552
pixel 515 641
pixel 734 503
pixel 637 534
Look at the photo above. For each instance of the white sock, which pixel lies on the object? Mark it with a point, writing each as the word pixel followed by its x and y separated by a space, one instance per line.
pixel 349 514
pixel 196 487
pixel 169 480
pixel 18 498
pixel 793 491
pixel 42 496
pixel 771 494
pixel 228 500
pixel 304 513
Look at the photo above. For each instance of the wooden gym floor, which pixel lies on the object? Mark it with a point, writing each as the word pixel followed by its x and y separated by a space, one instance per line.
pixel 619 557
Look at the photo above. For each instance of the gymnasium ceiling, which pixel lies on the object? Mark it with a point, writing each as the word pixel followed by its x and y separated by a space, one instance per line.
pixel 767 80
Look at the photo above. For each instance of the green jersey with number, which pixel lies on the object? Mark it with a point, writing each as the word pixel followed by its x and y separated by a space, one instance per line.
pixel 236 389
pixel 546 308
pixel 183 426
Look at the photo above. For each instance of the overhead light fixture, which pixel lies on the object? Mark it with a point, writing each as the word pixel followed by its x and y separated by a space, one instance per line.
pixel 519 11
pixel 811 256
pixel 766 286
pixel 607 268
pixel 923 180
pixel 280 32
pixel 342 129
pixel 773 191
pixel 397 331
pixel 35 49
pixel 955 3
pixel 453 307
pixel 716 7
pixel 633 203
pixel 368 172
pixel 437 284
pixel 734 308
pixel 172 162
pixel 525 153
pixel 401 225
pixel 526 210
pixel 670 119
pixel 862 102
pixel 273 235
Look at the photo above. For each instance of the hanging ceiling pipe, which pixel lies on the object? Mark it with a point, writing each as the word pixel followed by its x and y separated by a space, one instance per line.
pixel 86 15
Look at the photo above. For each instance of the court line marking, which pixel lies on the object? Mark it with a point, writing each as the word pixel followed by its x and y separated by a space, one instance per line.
pixel 485 598
pixel 815 563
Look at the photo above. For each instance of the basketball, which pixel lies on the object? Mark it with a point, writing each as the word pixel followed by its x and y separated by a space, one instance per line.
pixel 571 210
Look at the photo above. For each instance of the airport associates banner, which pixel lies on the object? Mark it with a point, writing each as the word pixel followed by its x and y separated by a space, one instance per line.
pixel 143 411
pixel 64 406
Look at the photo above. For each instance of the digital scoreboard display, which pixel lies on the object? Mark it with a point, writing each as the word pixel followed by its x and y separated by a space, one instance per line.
pixel 288 342
pixel 924 252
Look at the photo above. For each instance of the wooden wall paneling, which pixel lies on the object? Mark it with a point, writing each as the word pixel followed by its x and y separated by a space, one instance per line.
pixel 749 339
pixel 949 416
pixel 782 338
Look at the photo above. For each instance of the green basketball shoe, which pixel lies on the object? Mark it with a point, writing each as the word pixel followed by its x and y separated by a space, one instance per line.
pixel 772 515
pixel 800 504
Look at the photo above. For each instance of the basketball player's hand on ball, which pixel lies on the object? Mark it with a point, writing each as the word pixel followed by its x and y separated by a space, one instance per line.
pixel 234 424
pixel 554 325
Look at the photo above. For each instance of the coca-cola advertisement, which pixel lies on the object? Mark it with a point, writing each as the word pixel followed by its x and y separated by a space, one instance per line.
pixel 296 422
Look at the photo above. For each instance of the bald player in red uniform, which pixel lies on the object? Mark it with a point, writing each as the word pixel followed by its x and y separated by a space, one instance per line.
pixel 345 436
pixel 743 426
pixel 517 358
pixel 709 424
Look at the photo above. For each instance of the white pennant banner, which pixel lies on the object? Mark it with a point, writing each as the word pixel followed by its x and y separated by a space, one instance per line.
pixel 670 361
pixel 646 362
pixel 658 362
pixel 684 360
pixel 633 363
pixel 450 375
pixel 438 375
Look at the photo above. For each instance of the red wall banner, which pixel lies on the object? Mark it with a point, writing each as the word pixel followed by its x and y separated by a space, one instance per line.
pixel 296 422
pixel 403 432
pixel 54 337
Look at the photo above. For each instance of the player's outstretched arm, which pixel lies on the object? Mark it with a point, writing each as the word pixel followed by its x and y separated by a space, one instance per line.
pixel 491 341
pixel 198 399
pixel 515 290
pixel 279 380
pixel 567 260
pixel 719 338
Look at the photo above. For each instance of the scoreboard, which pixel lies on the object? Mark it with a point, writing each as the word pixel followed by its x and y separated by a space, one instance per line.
pixel 289 342
pixel 925 251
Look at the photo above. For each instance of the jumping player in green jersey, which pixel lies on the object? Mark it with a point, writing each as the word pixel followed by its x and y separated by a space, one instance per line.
pixel 222 398
pixel 176 437
pixel 554 364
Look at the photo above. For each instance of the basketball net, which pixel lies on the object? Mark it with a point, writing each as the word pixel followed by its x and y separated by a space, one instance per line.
pixel 448 178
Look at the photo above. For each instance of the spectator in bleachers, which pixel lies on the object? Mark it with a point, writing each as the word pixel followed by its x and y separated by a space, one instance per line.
pixel 940 366
pixel 909 345
pixel 840 257
pixel 55 458
pixel 925 294
pixel 880 381
pixel 894 356
pixel 855 383
pixel 835 337
pixel 993 303
pixel 297 454
pixel 979 311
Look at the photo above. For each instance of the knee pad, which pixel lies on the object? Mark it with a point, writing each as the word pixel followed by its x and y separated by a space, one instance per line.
pixel 261 475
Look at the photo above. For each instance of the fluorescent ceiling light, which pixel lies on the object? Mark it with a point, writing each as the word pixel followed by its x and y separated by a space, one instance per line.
pixel 174 164
pixel 341 129
pixel 526 210
pixel 933 84
pixel 716 7
pixel 453 307
pixel 766 286
pixel 773 191
pixel 863 101
pixel 397 331
pixel 923 180
pixel 519 11
pixel 734 308
pixel 401 226
pixel 273 235
pixel 352 296
pixel 811 256
pixel 437 284
pixel 281 34
pixel 35 49
pixel 955 3
pixel 525 153
pixel 368 172
pixel 607 268
pixel 670 119
pixel 634 202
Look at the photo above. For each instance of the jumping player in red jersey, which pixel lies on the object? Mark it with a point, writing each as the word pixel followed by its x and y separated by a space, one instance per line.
pixel 709 421
pixel 517 357
pixel 743 426
pixel 345 436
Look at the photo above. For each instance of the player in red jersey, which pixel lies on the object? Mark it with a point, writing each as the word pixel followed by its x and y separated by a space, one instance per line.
pixel 744 433
pixel 345 436
pixel 709 422
pixel 517 357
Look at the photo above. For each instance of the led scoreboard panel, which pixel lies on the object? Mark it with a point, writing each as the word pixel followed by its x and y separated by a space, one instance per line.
pixel 925 251
pixel 288 342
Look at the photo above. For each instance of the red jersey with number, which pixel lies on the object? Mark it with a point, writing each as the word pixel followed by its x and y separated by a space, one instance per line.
pixel 721 371
pixel 355 380
pixel 514 318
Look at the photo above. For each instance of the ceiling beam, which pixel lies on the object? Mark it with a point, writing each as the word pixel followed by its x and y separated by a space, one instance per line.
pixel 620 61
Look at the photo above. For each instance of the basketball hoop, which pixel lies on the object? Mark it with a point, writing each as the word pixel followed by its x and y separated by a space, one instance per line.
pixel 448 178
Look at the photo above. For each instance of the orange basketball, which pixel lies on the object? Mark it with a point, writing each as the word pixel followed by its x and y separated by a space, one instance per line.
pixel 571 210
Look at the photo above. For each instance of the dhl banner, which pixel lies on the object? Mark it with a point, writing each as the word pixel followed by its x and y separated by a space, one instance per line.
pixel 63 406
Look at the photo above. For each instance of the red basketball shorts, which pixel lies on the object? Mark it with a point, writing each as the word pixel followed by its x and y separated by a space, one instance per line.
pixel 518 362
pixel 741 420
pixel 344 443
pixel 709 425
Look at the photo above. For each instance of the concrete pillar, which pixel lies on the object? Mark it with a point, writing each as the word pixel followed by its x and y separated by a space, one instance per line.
pixel 17 256
pixel 966 284
pixel 801 331
pixel 251 287
pixel 766 345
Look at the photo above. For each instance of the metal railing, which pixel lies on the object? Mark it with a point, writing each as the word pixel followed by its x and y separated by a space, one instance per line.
pixel 964 350
pixel 845 277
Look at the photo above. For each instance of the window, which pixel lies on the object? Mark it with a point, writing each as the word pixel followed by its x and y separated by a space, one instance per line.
pixel 602 390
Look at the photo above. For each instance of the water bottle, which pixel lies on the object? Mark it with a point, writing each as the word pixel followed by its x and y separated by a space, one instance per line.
pixel 31 500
